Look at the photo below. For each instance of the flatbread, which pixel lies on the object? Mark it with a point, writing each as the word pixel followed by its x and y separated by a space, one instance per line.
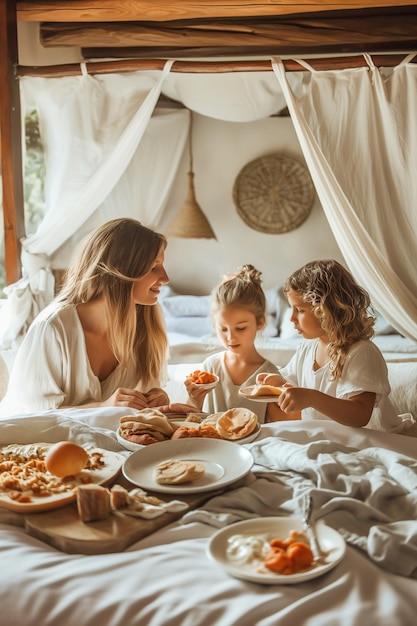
pixel 236 423
pixel 265 390
pixel 147 421
pixel 175 472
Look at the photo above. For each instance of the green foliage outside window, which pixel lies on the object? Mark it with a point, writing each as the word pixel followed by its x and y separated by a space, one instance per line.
pixel 33 185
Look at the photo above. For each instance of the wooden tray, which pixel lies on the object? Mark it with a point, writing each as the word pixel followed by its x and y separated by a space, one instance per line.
pixel 62 528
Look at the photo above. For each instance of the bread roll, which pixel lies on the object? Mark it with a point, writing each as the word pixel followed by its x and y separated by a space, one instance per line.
pixel 236 423
pixel 65 458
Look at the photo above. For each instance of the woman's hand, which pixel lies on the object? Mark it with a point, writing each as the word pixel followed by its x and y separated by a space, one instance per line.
pixel 156 396
pixel 131 398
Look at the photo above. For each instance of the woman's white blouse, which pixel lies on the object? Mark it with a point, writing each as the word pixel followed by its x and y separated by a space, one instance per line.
pixel 52 368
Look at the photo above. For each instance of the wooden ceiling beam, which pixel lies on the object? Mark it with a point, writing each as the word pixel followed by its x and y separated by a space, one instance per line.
pixel 217 38
pixel 206 67
pixel 167 10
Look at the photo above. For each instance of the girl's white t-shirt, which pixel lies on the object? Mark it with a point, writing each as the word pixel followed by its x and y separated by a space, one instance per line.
pixel 364 370
pixel 226 394
pixel 52 368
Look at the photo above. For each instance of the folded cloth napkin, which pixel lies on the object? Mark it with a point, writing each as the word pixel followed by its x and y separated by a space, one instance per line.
pixel 139 507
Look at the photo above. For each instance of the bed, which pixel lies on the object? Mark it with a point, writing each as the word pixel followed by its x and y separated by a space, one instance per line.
pixel 363 484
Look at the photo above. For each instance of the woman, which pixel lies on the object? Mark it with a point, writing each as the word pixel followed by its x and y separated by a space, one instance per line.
pixel 102 341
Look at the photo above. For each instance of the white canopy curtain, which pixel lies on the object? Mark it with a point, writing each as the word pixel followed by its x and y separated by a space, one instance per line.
pixel 358 132
pixel 92 128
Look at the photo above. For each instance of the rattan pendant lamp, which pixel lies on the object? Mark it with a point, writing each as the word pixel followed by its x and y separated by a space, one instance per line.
pixel 190 222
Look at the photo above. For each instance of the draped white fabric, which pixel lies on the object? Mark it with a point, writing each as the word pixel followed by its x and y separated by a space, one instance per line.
pixel 107 157
pixel 97 168
pixel 358 132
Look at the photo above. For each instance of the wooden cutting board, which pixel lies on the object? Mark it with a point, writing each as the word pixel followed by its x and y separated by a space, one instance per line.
pixel 62 528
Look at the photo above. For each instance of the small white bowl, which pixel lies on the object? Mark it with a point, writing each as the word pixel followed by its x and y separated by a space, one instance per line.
pixel 208 385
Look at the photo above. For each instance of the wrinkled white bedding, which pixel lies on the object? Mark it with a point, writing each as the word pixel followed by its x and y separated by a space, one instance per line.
pixel 167 579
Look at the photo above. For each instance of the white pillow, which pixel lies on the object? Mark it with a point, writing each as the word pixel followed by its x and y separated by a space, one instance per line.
pixel 191 326
pixel 403 381
pixel 273 303
pixel 383 327
pixel 186 306
pixel 287 330
pixel 270 329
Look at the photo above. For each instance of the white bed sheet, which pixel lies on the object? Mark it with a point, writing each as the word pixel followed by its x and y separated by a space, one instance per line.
pixel 167 580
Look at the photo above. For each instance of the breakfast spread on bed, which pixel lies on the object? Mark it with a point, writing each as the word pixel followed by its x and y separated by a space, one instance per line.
pixel 282 556
pixel 151 425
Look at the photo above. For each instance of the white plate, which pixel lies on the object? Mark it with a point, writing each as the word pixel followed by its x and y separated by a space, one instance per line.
pixel 130 445
pixel 102 475
pixel 245 392
pixel 331 543
pixel 225 462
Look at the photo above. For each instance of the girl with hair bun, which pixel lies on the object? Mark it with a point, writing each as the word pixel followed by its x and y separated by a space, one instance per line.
pixel 238 308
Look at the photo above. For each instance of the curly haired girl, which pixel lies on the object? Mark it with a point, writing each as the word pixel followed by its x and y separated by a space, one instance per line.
pixel 338 373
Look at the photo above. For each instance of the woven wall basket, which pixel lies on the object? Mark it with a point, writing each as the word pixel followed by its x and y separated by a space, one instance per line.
pixel 274 194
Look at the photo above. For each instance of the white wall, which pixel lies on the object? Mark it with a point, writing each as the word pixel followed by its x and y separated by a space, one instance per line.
pixel 220 150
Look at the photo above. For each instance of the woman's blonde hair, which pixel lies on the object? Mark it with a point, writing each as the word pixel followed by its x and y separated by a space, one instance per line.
pixel 107 265
pixel 241 289
pixel 338 302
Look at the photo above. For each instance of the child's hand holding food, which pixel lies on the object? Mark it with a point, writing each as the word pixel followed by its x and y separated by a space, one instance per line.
pixel 198 385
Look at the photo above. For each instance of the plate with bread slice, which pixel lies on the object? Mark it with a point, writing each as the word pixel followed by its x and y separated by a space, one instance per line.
pixel 261 393
pixel 192 465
